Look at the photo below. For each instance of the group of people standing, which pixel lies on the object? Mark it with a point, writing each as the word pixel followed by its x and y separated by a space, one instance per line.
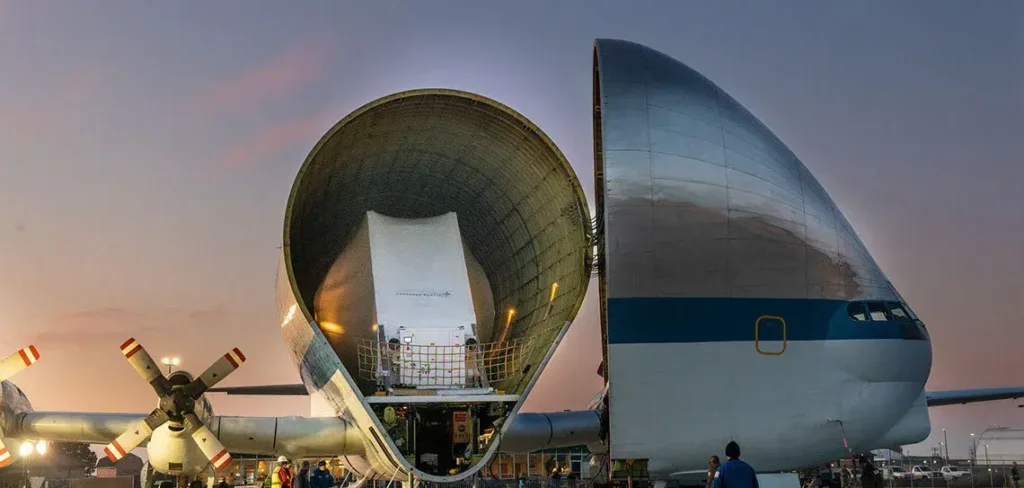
pixel 735 473
pixel 283 476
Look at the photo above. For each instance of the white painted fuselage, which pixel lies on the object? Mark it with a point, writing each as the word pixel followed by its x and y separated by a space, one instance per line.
pixel 816 402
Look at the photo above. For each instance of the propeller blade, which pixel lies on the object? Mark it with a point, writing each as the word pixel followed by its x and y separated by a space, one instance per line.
pixel 145 366
pixel 13 364
pixel 207 442
pixel 131 438
pixel 219 370
pixel 5 456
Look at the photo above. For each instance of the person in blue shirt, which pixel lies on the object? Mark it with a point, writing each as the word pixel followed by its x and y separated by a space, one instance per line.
pixel 734 473
pixel 321 478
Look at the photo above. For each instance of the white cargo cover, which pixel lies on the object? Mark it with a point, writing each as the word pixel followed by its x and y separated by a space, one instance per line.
pixel 422 294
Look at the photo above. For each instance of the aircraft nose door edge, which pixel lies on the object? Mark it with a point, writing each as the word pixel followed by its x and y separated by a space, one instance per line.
pixel 770 335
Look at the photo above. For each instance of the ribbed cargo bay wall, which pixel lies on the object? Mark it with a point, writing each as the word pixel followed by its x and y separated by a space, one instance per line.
pixel 522 214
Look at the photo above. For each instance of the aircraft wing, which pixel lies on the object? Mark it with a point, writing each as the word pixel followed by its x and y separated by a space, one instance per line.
pixel 959 397
pixel 294 436
pixel 276 390
pixel 534 430
pixel 183 412
pixel 528 432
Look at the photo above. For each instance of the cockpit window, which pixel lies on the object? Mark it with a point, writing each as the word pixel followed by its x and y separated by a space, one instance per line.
pixel 878 312
pixel 898 312
pixel 881 312
pixel 856 311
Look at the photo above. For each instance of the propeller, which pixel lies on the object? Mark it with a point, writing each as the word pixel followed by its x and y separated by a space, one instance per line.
pixel 10 366
pixel 177 404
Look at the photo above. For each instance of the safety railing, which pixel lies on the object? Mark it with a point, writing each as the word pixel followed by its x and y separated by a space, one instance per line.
pixel 396 365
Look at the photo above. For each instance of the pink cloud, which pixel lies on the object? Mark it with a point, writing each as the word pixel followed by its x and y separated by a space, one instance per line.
pixel 99 325
pixel 48 111
pixel 25 122
pixel 107 313
pixel 110 336
pixel 219 312
pixel 274 138
pixel 113 324
pixel 288 71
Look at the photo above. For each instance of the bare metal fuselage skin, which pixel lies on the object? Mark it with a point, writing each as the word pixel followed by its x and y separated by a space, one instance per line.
pixel 733 286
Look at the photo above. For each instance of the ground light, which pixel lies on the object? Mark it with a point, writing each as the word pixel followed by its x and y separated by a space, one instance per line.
pixel 170 362
pixel 26 449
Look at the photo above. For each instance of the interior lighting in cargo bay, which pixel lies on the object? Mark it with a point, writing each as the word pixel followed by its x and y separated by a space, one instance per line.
pixel 508 322
pixel 551 299
pixel 331 327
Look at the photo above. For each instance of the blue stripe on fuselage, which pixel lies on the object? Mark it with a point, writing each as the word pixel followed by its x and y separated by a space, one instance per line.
pixel 670 320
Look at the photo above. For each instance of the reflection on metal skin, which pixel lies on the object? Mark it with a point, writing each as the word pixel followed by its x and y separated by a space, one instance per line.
pixel 533 431
pixel 700 199
pixel 95 428
pixel 293 436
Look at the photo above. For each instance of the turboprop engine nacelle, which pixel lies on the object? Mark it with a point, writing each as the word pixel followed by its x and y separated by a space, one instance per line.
pixel 13 401
pixel 172 451
pixel 171 448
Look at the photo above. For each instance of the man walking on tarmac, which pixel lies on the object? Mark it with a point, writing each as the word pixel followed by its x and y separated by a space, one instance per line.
pixel 734 473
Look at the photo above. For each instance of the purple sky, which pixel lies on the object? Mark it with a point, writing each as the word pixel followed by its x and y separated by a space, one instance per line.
pixel 147 150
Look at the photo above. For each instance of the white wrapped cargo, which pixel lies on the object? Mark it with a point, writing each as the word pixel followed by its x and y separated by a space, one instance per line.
pixel 422 295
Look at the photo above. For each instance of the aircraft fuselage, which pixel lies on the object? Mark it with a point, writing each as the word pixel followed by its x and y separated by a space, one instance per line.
pixel 825 387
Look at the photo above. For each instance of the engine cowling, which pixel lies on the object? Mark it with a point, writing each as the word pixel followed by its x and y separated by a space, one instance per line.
pixel 172 451
pixel 171 448
pixel 13 402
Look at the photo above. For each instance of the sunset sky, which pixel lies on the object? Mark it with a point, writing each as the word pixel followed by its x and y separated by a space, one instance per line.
pixel 147 150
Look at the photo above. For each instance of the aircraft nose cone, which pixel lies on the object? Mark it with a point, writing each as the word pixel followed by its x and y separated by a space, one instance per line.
pixel 902 361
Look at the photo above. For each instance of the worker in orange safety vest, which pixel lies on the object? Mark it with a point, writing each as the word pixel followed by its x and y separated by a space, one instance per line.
pixel 282 477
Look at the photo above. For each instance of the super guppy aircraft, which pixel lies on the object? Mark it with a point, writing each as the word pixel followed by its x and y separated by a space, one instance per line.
pixel 437 245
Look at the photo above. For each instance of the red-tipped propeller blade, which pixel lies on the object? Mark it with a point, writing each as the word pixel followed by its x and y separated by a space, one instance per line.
pixel 145 366
pixel 131 438
pixel 5 456
pixel 13 364
pixel 208 443
pixel 217 371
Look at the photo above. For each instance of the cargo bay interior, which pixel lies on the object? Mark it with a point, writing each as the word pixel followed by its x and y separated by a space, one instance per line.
pixel 525 234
